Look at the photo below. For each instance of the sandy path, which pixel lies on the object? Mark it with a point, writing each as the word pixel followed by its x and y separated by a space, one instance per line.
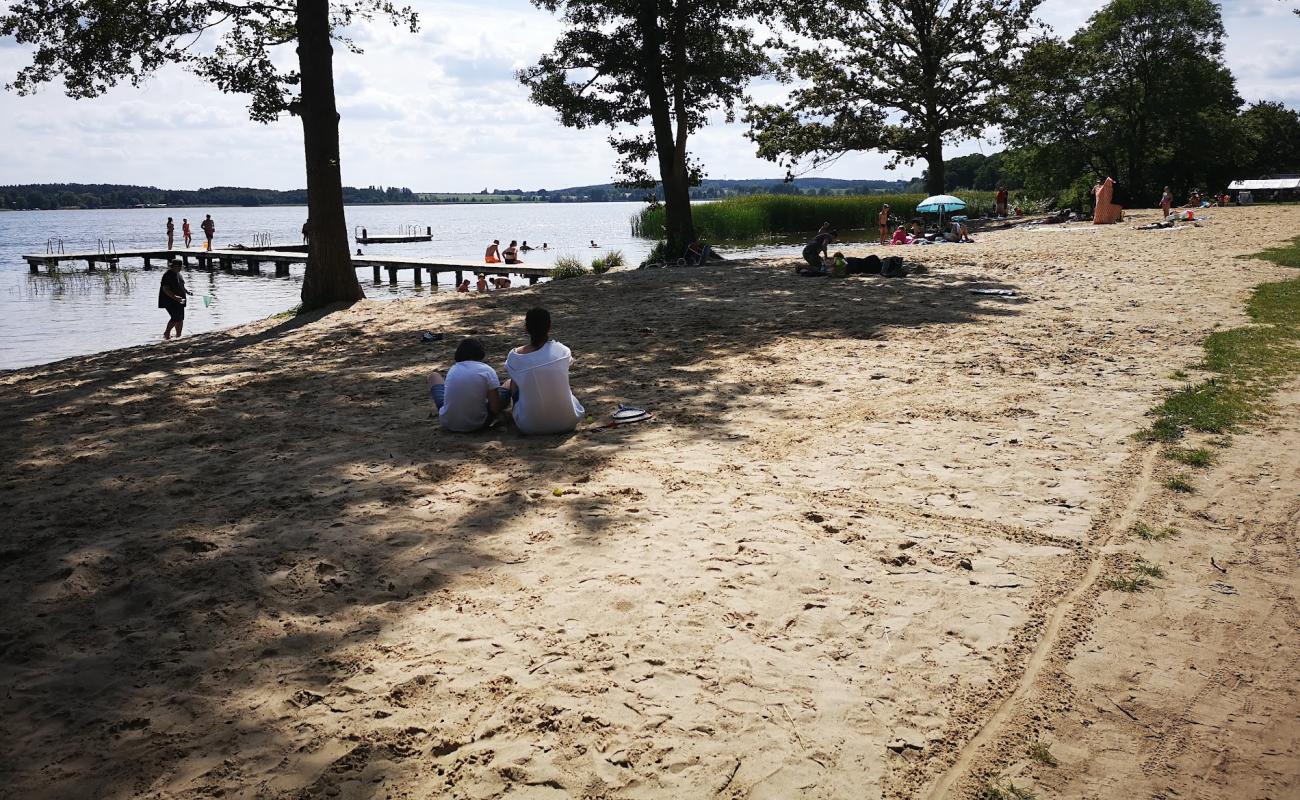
pixel 248 564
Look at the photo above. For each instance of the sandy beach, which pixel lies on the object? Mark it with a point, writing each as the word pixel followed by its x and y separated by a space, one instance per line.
pixel 857 553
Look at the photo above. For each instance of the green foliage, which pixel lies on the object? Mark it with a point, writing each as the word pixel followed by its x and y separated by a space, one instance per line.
pixel 757 216
pixel 611 259
pixel 1143 567
pixel 899 77
pixel 1191 456
pixel 995 790
pixel 1126 583
pixel 1268 140
pixel 658 254
pixel 567 267
pixel 1042 753
pixel 673 63
pixel 93 45
pixel 1149 534
pixel 1169 103
pixel 1180 484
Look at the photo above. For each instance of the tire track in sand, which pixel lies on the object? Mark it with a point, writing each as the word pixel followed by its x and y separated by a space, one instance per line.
pixel 1043 651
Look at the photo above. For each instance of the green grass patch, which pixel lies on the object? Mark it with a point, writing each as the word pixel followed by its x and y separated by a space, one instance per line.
pixel 758 216
pixel 1250 362
pixel 1179 375
pixel 567 267
pixel 996 790
pixel 1040 752
pixel 602 264
pixel 1149 534
pixel 1287 255
pixel 1191 456
pixel 1126 583
pixel 1144 567
pixel 1180 484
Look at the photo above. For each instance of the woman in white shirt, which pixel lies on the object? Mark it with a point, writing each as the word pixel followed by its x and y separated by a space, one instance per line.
pixel 539 380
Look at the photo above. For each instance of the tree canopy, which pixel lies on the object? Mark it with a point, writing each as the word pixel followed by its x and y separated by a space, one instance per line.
pixel 1140 94
pixel 903 77
pixel 93 45
pixel 671 64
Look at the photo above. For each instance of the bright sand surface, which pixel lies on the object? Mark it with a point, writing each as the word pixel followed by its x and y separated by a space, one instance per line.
pixel 856 553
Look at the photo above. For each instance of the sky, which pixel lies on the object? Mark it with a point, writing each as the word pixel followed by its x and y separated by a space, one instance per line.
pixel 440 110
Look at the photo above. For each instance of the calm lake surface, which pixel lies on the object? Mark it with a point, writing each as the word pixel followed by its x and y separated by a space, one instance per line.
pixel 43 320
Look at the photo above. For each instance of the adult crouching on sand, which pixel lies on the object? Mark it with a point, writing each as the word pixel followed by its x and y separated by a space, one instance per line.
pixel 471 396
pixel 815 252
pixel 539 380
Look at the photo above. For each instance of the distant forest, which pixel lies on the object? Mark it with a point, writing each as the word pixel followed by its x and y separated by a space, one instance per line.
pixel 107 195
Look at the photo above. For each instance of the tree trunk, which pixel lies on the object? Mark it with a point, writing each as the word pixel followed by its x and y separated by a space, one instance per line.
pixel 934 176
pixel 678 225
pixel 330 276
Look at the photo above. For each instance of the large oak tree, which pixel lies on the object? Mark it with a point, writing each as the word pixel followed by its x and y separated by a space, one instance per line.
pixel 903 77
pixel 669 63
pixel 93 45
pixel 1140 93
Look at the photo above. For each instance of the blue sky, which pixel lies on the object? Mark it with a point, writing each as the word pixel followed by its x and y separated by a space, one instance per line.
pixel 441 111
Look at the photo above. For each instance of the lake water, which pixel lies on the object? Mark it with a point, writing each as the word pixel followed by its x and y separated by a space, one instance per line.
pixel 43 320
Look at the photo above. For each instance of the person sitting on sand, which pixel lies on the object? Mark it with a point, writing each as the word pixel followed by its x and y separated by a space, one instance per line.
pixel 511 253
pixel 839 266
pixel 471 395
pixel 815 253
pixel 900 236
pixel 501 283
pixel 918 230
pixel 463 286
pixel 482 284
pixel 493 254
pixel 539 380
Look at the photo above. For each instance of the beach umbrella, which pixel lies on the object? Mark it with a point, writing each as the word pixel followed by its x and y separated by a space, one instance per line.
pixel 941 204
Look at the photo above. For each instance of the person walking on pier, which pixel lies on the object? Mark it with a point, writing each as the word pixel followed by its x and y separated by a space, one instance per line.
pixel 186 234
pixel 171 296
pixel 171 232
pixel 209 227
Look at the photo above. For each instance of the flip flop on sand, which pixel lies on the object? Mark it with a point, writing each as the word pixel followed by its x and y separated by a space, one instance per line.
pixel 625 416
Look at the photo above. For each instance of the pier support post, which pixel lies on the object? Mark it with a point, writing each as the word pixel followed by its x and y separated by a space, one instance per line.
pixel 148 263
pixel 254 266
pixel 433 278
pixel 90 265
pixel 34 267
pixel 282 269
pixel 459 278
pixel 112 265
pixel 419 278
pixel 392 276
pixel 532 279
pixel 428 231
pixel 375 268
pixel 226 264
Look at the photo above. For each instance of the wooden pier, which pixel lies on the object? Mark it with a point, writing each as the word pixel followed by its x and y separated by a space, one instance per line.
pixel 252 260
pixel 409 233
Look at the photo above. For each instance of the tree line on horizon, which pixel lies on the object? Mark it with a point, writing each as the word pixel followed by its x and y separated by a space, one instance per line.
pixel 1139 93
pixel 52 196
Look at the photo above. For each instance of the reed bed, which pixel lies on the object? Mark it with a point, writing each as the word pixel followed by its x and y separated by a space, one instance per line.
pixel 759 216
